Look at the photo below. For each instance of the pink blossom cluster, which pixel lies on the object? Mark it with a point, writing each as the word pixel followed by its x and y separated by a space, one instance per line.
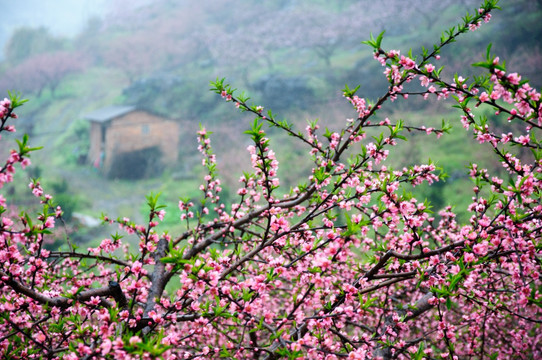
pixel 348 264
pixel 5 107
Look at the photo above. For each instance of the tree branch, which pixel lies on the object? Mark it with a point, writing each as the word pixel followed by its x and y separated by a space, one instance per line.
pixel 62 302
pixel 159 280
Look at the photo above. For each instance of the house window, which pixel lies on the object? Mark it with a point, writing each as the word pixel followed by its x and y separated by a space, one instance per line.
pixel 145 129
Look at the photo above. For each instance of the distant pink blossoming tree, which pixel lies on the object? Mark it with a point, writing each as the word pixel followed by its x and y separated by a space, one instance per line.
pixel 43 71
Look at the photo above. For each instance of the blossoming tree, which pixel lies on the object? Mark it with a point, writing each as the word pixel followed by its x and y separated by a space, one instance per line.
pixel 345 265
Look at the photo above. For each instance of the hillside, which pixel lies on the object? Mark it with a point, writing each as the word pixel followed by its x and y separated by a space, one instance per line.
pixel 290 56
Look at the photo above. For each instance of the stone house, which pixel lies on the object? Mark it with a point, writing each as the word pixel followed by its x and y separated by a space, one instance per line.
pixel 127 136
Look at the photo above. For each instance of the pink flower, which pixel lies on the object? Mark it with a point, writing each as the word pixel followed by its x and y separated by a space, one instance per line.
pixel 484 97
pixel 514 78
pixel 6 103
pixel 424 80
pixel 434 260
pixel 25 163
pixel 49 223
pixel 407 62
pixel 94 300
pixel 106 346
pixel 40 337
pixel 455 269
pixel 473 27
pixel 161 214
pixel 469 257
pixel 136 267
pixel 481 248
pixel 524 140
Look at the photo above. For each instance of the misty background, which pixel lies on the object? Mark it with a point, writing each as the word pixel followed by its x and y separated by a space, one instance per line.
pixel 70 58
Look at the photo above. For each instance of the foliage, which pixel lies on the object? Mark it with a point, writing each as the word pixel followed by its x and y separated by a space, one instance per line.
pixel 75 142
pixel 285 92
pixel 167 94
pixel 347 264
pixel 28 42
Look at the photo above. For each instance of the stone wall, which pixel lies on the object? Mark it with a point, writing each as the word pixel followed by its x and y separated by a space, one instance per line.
pixel 135 131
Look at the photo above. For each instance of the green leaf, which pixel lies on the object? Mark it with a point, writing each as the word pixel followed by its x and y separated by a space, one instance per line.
pixel 449 303
pixel 15 98
pixel 375 43
pixel 152 201
pixel 347 92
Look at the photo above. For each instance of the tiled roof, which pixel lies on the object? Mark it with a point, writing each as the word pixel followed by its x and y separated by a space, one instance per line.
pixel 109 112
